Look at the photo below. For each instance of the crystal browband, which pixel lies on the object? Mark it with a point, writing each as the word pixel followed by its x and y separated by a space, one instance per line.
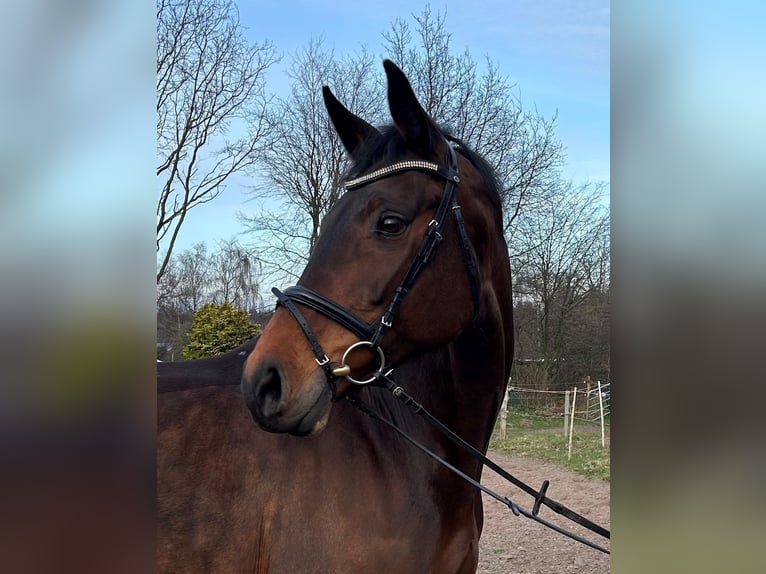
pixel 392 169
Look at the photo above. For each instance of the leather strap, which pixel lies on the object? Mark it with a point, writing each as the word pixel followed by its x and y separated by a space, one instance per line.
pixel 330 309
pixel 321 359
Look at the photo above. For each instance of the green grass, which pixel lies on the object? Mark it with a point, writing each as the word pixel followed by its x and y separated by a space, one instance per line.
pixel 588 457
pixel 519 418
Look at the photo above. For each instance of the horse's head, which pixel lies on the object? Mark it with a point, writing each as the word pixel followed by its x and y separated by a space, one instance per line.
pixel 368 268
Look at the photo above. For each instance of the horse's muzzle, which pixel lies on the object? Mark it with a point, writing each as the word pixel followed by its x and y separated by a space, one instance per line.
pixel 276 409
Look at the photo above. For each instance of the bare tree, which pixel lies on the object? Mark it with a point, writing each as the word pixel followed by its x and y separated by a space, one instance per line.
pixel 284 240
pixel 481 108
pixel 209 86
pixel 181 290
pixel 561 261
pixel 304 165
pixel 169 284
pixel 234 271
pixel 193 269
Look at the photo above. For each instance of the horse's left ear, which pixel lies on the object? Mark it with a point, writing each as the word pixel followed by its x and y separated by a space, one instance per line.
pixel 417 128
pixel 351 129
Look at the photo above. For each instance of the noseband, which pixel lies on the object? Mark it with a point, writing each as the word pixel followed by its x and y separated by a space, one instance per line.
pixel 371 335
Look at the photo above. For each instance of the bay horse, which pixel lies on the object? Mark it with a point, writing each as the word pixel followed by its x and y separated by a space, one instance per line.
pixel 315 485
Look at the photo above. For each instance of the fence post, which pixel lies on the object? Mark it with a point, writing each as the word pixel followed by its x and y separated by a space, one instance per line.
pixel 566 413
pixel 504 415
pixel 571 424
pixel 601 407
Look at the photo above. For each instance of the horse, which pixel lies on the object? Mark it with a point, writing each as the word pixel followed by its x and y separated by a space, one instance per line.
pixel 409 279
pixel 220 370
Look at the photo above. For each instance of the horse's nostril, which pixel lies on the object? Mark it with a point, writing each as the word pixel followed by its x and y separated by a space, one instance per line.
pixel 268 392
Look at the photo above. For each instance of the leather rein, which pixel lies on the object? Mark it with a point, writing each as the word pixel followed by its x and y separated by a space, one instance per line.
pixel 371 336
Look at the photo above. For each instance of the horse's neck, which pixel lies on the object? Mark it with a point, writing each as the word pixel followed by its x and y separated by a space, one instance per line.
pixel 460 384
pixel 479 363
pixel 479 380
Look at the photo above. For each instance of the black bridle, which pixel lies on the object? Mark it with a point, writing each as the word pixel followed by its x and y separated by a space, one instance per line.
pixel 371 336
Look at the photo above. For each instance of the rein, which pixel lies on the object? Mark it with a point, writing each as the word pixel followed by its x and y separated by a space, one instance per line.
pixel 371 336
pixel 539 496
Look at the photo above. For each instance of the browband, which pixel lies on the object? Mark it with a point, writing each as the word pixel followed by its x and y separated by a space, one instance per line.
pixel 407 165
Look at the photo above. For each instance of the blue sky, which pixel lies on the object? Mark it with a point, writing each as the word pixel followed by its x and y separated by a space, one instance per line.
pixel 556 51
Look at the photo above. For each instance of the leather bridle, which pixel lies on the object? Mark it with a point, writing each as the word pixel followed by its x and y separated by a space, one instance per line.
pixel 371 335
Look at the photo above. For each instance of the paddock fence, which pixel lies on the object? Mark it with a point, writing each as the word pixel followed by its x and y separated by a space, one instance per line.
pixel 587 402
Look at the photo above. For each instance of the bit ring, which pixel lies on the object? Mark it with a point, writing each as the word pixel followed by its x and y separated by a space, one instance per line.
pixel 343 366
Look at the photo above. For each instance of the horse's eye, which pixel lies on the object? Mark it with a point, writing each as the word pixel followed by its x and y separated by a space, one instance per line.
pixel 391 225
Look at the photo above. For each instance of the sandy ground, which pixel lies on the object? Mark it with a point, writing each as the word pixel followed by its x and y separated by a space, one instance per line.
pixel 511 544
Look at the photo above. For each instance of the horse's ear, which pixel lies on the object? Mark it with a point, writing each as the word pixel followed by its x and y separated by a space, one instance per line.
pixel 417 128
pixel 351 129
